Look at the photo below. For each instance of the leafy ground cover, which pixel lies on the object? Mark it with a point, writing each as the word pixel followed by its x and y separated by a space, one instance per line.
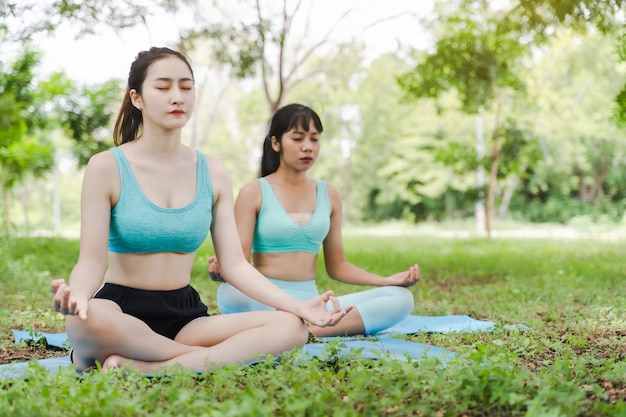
pixel 572 363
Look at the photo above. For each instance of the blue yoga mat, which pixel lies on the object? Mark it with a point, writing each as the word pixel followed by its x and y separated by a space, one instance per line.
pixel 382 347
pixel 379 348
pixel 56 340
pixel 411 325
pixel 444 324
pixel 20 369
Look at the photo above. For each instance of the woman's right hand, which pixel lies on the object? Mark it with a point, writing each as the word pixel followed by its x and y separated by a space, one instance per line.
pixel 315 311
pixel 67 302
pixel 214 270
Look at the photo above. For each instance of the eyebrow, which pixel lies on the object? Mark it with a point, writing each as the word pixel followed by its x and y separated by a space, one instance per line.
pixel 167 79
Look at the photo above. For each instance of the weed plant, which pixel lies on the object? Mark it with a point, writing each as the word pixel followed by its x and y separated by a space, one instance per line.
pixel 571 363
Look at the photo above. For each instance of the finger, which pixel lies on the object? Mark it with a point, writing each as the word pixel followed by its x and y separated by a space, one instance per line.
pixel 73 308
pixel 336 318
pixel 57 301
pixel 55 284
pixel 326 296
pixel 336 306
pixel 82 312
pixel 65 300
pixel 418 272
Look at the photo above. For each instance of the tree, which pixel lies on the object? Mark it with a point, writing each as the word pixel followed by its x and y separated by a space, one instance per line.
pixel 264 41
pixel 85 113
pixel 21 19
pixel 24 146
pixel 480 59
pixel 481 50
pixel 571 91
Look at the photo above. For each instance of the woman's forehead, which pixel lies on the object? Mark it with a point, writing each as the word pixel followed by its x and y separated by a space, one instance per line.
pixel 172 68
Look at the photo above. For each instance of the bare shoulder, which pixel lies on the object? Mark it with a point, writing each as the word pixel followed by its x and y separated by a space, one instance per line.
pixel 220 178
pixel 102 171
pixel 217 168
pixel 250 190
pixel 249 196
pixel 333 192
pixel 102 163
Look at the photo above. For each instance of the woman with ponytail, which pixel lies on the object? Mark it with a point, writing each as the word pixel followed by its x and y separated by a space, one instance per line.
pixel 147 205
pixel 284 217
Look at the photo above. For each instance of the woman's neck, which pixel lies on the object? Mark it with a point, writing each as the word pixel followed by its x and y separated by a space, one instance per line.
pixel 160 142
pixel 286 177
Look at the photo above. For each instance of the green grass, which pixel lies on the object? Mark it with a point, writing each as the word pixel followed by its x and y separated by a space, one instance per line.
pixel 572 363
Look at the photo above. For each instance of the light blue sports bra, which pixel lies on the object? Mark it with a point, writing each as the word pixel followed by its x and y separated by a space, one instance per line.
pixel 275 231
pixel 140 226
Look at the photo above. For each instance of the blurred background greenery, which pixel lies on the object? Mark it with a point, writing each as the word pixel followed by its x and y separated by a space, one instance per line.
pixel 511 111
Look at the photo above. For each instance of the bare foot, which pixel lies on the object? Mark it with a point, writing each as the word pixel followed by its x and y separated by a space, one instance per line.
pixel 116 361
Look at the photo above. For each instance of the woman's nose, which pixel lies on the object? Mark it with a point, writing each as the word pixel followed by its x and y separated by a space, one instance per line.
pixel 177 96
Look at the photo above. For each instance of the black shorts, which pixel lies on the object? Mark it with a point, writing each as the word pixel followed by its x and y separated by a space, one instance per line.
pixel 166 312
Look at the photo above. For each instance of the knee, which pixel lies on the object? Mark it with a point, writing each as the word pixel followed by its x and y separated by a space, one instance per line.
pixel 97 323
pixel 295 328
pixel 402 298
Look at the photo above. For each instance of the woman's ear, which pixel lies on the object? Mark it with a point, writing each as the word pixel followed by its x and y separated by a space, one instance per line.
pixel 275 144
pixel 135 99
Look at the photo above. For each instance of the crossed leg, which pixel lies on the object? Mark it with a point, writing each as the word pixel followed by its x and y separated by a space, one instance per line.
pixel 114 338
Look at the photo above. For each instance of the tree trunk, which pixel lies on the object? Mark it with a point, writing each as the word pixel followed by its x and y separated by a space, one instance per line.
pixel 493 171
pixel 507 196
pixel 7 216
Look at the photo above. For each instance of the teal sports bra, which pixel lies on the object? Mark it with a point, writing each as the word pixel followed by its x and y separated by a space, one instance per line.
pixel 140 226
pixel 275 231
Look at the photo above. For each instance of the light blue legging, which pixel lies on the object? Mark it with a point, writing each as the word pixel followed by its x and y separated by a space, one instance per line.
pixel 380 307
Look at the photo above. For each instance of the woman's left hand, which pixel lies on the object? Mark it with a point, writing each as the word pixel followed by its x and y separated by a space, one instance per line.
pixel 214 270
pixel 315 312
pixel 406 278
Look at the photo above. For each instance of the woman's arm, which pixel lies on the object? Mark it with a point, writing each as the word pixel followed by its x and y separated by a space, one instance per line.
pixel 340 269
pixel 86 277
pixel 237 271
pixel 247 207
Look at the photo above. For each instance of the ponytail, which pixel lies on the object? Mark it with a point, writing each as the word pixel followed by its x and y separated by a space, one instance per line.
pixel 129 122
pixel 270 161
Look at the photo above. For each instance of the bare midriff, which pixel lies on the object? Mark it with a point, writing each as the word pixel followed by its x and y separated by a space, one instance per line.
pixel 288 266
pixel 150 271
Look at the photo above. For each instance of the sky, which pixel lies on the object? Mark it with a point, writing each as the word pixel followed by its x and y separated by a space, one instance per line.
pixel 98 58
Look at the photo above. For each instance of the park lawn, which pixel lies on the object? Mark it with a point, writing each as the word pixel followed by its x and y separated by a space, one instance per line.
pixel 572 363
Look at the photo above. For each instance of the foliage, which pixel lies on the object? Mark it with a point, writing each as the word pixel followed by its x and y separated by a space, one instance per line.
pixel 473 56
pixel 482 48
pixel 561 152
pixel 570 92
pixel 572 362
pixel 86 113
pixel 478 57
pixel 20 19
pixel 265 39
pixel 539 17
pixel 24 147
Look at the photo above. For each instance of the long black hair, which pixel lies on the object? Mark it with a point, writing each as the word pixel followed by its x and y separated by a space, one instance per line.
pixel 285 119
pixel 130 120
